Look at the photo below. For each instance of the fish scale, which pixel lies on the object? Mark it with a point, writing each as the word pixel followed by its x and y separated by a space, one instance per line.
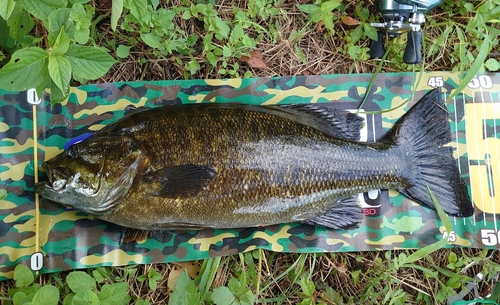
pixel 260 147
pixel 233 165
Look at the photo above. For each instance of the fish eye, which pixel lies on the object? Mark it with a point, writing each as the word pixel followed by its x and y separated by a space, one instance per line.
pixel 72 152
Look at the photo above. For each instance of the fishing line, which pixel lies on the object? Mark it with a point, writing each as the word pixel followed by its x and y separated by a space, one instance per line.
pixel 416 83
pixel 379 68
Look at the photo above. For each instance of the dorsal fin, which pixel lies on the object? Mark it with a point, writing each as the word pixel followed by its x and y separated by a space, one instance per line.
pixel 327 118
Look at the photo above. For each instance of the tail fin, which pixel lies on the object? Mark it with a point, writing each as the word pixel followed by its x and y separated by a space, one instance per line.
pixel 422 134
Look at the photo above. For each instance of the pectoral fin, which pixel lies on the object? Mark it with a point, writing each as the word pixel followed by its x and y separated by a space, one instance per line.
pixel 346 213
pixel 180 181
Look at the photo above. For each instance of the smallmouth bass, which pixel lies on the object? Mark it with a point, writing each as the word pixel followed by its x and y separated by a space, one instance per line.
pixel 235 166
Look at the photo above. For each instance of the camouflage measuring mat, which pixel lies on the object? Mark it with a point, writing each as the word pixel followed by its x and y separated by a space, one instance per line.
pixel 48 237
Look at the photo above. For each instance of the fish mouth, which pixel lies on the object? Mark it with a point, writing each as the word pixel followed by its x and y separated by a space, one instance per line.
pixel 58 177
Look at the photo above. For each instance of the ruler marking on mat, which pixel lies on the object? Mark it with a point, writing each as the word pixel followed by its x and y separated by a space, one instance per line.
pixel 35 160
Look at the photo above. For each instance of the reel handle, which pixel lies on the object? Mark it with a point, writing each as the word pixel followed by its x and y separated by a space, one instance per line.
pixel 413 53
pixel 377 49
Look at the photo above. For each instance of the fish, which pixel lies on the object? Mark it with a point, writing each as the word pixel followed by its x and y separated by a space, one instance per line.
pixel 210 165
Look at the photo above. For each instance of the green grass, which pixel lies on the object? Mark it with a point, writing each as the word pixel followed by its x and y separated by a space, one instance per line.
pixel 149 40
pixel 389 277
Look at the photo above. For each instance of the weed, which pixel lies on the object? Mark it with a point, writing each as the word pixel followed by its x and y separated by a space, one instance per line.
pixel 152 276
pixel 80 288
pixel 64 56
pixel 321 13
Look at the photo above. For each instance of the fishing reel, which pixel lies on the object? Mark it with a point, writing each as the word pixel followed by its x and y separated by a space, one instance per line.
pixel 402 16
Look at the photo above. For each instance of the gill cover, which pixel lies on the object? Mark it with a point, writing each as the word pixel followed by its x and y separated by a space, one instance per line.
pixel 99 171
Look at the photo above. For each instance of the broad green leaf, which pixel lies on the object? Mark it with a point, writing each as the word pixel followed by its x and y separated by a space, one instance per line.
pixel 46 83
pixel 484 8
pixel 123 51
pixel 193 66
pixel 19 297
pixel 370 31
pixel 469 7
pixel 41 9
pixel 328 22
pixel 88 62
pixel 68 300
pixel 26 69
pixel 47 295
pixel 237 32
pixel 82 35
pixel 81 23
pixel 356 34
pixel 223 296
pixel 57 20
pixel 365 13
pixel 307 286
pixel 61 44
pixel 137 7
pixel 207 42
pixel 23 276
pixel 80 281
pixel 247 299
pixel 113 294
pixel 85 297
pixel 329 6
pixel 452 258
pixel 155 3
pixel 234 285
pixel 355 276
pixel 333 295
pixel 59 71
pixel 6 8
pixel 185 292
pixel 222 27
pixel 20 22
pixel 307 301
pixel 56 95
pixel 151 39
pixel 492 64
pixel 164 18
pixel 309 8
pixel 152 284
pixel 116 12
pixel 226 51
pixel 186 15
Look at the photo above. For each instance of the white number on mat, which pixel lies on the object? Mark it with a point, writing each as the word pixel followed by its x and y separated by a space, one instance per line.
pixel 36 261
pixel 481 81
pixel 490 237
pixel 435 81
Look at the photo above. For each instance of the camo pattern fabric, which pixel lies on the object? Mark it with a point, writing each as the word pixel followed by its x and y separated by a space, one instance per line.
pixel 48 237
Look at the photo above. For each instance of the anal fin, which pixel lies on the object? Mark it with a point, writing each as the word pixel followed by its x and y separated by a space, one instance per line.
pixel 345 214
pixel 133 235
